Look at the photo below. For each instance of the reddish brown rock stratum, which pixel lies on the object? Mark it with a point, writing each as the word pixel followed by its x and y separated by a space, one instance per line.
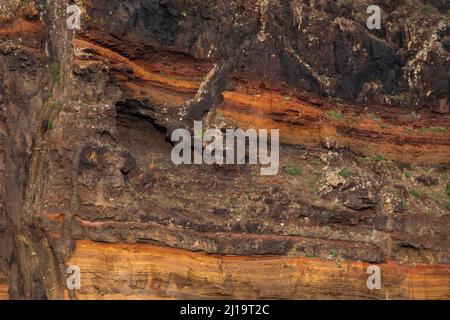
pixel 87 177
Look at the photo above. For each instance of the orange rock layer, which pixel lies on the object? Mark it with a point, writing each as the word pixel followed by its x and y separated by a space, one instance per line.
pixel 138 271
pixel 3 287
pixel 301 123
pixel 397 134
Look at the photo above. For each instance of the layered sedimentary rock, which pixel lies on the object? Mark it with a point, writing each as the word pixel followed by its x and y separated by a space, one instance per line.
pixel 87 175
pixel 319 46
pixel 158 272
pixel 3 287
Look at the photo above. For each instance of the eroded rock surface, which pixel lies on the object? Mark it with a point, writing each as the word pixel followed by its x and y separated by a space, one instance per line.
pixel 87 177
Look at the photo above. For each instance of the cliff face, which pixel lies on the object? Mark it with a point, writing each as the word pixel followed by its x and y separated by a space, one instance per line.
pixel 86 171
pixel 319 46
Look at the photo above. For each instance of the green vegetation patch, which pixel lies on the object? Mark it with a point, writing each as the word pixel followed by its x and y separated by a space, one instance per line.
pixel 428 8
pixel 345 173
pixel 335 115
pixel 55 72
pixel 292 170
pixel 414 193
pixel 447 206
pixel 404 204
pixel 439 129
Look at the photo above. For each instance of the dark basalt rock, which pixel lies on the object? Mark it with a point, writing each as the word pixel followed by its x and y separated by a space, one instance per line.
pixel 427 181
pixel 323 46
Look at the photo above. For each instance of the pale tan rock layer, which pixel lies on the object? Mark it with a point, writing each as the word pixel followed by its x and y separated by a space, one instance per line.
pixel 138 271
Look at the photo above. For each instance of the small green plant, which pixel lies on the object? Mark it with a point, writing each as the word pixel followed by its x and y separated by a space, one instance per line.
pixel 336 207
pixel 55 72
pixel 201 135
pixel 447 191
pixel 380 157
pixel 336 115
pixel 236 212
pixel 49 125
pixel 345 173
pixel 408 175
pixel 227 202
pixel 439 130
pixel 404 204
pixel 422 131
pixel 129 186
pixel 447 206
pixel 408 130
pixel 434 195
pixel 53 104
pixel 292 170
pixel 414 193
pixel 310 255
pixel 428 7
pixel 333 253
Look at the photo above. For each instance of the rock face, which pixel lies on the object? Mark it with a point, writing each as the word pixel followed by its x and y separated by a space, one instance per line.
pixel 152 272
pixel 319 46
pixel 87 178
